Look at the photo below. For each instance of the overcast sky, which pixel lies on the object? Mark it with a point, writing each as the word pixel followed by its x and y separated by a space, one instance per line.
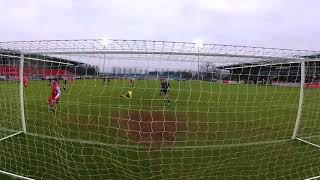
pixel 269 23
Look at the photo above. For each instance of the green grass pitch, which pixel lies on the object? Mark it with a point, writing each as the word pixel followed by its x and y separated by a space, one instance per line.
pixel 216 131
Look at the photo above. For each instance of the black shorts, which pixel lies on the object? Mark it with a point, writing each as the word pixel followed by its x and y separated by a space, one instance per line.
pixel 165 91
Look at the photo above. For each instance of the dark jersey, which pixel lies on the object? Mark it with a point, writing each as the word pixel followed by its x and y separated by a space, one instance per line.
pixel 165 86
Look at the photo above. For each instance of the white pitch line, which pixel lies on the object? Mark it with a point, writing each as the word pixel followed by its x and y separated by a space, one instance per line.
pixel 11 135
pixel 310 143
pixel 162 147
pixel 15 175
pixel 312 178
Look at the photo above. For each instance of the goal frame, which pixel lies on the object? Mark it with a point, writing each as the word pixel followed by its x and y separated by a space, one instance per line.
pixel 301 61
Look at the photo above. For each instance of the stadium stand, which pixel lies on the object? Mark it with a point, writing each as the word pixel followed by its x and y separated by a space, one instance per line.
pixel 7 70
pixel 41 67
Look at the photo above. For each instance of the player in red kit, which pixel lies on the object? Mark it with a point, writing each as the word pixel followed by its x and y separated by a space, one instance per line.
pixel 53 99
pixel 25 82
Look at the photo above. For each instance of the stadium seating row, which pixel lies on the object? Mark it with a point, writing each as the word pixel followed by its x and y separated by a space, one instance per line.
pixel 6 70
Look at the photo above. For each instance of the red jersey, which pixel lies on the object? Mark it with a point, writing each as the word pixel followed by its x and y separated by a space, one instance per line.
pixel 25 81
pixel 55 91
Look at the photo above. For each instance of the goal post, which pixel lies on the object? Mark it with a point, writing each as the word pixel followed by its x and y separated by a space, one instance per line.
pixel 300 107
pixel 21 94
pixel 17 70
pixel 137 109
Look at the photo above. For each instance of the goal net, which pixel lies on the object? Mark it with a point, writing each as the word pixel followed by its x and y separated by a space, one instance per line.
pixel 131 109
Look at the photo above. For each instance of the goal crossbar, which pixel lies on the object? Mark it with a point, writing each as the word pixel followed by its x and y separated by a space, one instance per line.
pixel 121 52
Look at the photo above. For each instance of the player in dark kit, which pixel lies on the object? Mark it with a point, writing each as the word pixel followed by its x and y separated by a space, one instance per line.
pixel 104 80
pixel 65 84
pixel 165 87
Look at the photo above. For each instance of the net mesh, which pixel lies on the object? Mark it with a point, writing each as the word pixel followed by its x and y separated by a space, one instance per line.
pixel 157 110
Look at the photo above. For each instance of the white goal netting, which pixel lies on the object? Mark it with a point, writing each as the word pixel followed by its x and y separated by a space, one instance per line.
pixel 131 109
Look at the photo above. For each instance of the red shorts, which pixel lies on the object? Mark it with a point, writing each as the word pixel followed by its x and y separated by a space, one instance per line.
pixel 52 100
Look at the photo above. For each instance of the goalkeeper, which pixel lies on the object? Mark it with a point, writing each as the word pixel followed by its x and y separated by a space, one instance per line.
pixel 127 95
pixel 165 87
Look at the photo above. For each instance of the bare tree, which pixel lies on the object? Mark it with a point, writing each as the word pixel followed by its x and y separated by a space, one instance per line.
pixel 210 72
pixel 207 67
pixel 114 70
pixel 129 70
pixel 124 70
pixel 146 71
pixel 135 70
pixel 119 70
